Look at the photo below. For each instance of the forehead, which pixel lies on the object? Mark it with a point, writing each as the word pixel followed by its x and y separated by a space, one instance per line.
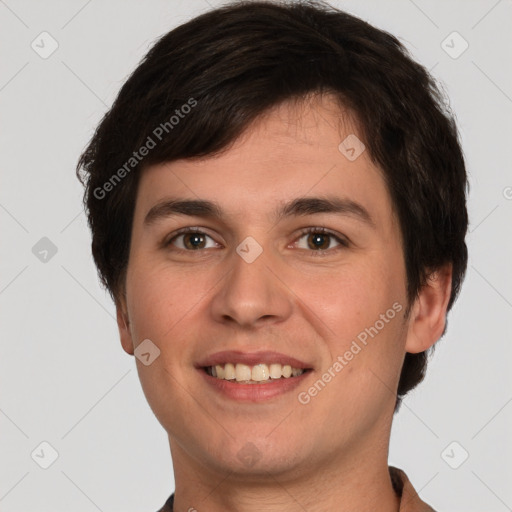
pixel 296 150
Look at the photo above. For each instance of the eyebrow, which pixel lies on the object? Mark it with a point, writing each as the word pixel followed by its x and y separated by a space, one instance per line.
pixel 298 207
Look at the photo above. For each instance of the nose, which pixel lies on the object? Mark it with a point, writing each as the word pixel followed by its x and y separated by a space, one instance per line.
pixel 251 294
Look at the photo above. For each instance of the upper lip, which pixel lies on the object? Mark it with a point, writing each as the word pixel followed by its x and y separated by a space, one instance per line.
pixel 252 358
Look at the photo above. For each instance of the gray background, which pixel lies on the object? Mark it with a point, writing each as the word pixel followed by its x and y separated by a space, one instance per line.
pixel 65 379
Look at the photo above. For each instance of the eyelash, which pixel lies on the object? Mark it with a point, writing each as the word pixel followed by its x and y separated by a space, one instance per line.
pixel 317 230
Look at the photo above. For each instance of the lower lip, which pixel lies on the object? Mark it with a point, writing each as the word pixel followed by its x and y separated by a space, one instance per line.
pixel 254 392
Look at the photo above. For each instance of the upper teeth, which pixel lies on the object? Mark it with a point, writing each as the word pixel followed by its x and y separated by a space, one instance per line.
pixel 259 372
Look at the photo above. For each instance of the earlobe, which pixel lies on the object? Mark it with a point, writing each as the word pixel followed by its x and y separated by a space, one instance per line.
pixel 428 316
pixel 123 324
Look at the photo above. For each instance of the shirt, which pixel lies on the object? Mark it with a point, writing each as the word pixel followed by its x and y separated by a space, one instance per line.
pixel 409 499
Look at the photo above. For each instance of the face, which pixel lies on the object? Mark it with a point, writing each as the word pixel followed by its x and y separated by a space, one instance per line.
pixel 330 301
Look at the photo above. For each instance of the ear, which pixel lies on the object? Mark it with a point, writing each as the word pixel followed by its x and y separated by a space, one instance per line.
pixel 123 324
pixel 428 315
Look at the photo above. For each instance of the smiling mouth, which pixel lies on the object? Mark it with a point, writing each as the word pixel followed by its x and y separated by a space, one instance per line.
pixel 258 374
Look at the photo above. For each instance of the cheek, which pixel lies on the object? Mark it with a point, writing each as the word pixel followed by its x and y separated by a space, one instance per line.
pixel 365 347
pixel 363 308
pixel 351 298
pixel 158 303
pixel 159 297
pixel 152 302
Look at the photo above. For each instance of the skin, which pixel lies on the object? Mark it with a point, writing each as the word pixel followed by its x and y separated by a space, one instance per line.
pixel 327 455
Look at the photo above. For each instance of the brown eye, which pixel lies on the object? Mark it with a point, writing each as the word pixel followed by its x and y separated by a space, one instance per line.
pixel 319 240
pixel 190 240
pixel 194 241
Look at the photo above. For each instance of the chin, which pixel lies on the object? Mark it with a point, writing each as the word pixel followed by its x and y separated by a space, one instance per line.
pixel 256 456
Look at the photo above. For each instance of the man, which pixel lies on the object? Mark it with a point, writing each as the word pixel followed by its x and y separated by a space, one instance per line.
pixel 278 206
